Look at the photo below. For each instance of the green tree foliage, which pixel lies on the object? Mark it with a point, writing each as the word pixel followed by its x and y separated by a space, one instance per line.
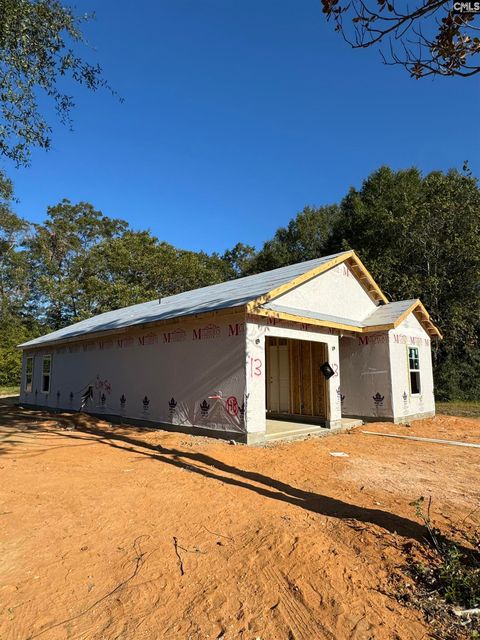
pixel 63 274
pixel 136 267
pixel 84 263
pixel 419 236
pixel 38 43
pixel 306 237
pixel 13 331
pixel 16 323
pixel 13 263
pixel 239 259
pixel 79 263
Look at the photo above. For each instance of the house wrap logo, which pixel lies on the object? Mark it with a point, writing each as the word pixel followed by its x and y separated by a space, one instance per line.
pixel 466 7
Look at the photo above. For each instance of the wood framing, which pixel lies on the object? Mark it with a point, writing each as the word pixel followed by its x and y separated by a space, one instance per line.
pixel 255 307
pixel 417 308
pixel 307 387
pixel 281 315
pixel 365 278
pixel 353 261
pixel 422 316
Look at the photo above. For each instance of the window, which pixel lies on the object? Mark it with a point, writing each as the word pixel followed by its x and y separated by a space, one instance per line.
pixel 46 369
pixel 414 367
pixel 29 374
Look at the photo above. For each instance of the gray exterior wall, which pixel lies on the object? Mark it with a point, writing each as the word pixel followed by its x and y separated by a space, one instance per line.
pixel 366 388
pixel 199 364
pixel 376 378
pixel 406 405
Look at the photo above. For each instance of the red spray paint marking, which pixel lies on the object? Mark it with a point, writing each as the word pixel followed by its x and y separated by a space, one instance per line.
pixel 255 367
pixel 232 406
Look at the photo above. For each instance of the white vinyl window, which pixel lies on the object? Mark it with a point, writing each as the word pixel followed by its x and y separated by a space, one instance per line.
pixel 29 373
pixel 46 372
pixel 414 370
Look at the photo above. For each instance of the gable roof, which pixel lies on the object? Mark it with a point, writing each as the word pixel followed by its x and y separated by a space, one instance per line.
pixel 233 293
pixel 383 318
pixel 349 257
pixel 249 292
pixel 394 313
pixel 388 313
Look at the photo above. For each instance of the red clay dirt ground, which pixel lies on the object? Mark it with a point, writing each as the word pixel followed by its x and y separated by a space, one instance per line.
pixel 122 533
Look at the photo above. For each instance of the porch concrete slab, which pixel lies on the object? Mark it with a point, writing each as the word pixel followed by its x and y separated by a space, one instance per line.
pixel 284 430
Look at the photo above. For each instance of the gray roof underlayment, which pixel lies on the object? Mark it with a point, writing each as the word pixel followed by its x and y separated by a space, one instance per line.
pixel 233 293
pixel 387 313
pixel 382 315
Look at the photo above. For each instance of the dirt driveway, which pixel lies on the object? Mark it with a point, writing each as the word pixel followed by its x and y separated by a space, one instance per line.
pixel 118 533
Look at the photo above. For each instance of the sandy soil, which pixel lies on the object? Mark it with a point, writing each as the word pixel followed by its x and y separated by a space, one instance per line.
pixel 114 533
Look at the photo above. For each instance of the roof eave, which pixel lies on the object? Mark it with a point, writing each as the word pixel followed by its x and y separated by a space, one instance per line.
pixel 422 315
pixel 85 337
pixel 360 271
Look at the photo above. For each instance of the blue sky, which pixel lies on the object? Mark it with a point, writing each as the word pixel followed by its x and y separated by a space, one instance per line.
pixel 236 114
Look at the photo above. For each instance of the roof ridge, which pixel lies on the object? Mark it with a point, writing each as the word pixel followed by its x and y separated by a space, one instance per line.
pixel 228 294
pixel 259 274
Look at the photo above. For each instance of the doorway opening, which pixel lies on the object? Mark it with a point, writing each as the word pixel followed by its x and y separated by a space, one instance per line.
pixel 296 389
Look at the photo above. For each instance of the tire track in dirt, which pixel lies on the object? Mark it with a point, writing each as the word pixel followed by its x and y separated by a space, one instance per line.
pixel 294 611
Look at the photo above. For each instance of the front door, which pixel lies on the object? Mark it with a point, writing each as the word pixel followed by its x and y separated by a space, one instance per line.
pixel 278 378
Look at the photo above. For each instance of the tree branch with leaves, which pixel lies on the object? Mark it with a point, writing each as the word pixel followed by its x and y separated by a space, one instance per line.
pixel 427 38
pixel 38 51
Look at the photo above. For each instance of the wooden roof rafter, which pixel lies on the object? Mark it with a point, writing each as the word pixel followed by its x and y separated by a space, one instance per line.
pixel 365 278
pixel 429 327
pixel 349 257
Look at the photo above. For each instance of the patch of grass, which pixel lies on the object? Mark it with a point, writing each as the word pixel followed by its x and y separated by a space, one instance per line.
pixel 9 391
pixel 448 577
pixel 456 575
pixel 459 408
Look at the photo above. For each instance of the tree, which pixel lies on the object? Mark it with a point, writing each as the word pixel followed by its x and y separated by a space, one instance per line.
pixel 38 52
pixel 83 263
pixel 428 37
pixel 63 274
pixel 306 237
pixel 420 237
pixel 136 267
pixel 239 258
pixel 38 41
pixel 16 325
pixel 13 263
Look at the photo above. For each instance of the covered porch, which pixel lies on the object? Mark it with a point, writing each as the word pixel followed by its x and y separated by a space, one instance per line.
pixel 278 429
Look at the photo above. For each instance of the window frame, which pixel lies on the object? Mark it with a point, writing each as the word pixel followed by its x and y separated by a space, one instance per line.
pixel 416 371
pixel 28 386
pixel 49 374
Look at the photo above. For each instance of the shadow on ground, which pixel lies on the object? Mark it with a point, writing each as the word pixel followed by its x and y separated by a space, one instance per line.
pixel 15 423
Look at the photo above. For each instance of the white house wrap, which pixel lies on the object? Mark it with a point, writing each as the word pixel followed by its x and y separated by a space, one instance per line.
pixel 310 342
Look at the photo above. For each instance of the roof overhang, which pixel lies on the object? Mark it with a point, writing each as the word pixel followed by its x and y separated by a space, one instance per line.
pixel 364 277
pixel 256 308
pixel 346 325
pixel 423 317
pixel 349 257
pixel 134 328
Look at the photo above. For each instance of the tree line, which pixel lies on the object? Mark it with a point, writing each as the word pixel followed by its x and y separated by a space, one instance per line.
pixel 419 236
